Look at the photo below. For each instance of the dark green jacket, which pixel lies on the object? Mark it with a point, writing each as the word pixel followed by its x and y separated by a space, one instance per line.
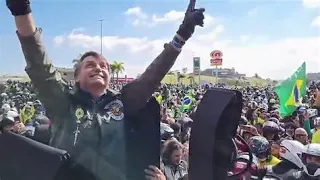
pixel 100 146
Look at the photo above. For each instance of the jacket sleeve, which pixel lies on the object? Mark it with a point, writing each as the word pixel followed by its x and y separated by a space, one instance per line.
pixel 138 92
pixel 43 74
pixel 307 127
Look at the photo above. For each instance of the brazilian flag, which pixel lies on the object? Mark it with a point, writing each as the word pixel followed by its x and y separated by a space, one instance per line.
pixel 187 102
pixel 291 91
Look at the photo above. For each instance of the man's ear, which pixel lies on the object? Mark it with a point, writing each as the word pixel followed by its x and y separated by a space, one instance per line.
pixel 76 79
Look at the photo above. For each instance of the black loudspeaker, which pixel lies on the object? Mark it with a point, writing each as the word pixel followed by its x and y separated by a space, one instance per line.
pixel 215 122
pixel 24 159
pixel 143 140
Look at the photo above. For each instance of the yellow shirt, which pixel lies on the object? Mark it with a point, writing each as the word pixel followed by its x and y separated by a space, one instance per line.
pixel 272 161
pixel 259 120
pixel 316 137
pixel 26 117
pixel 159 99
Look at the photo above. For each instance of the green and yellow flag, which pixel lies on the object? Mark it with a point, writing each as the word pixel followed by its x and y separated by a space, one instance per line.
pixel 291 91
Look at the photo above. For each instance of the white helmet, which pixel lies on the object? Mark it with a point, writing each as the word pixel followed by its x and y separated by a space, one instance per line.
pixel 291 150
pixel 311 150
pixel 5 107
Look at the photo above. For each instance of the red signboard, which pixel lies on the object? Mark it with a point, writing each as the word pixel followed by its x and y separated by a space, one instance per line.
pixel 216 62
pixel 216 58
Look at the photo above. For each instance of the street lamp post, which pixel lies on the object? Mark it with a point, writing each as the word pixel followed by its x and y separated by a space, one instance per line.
pixel 101 33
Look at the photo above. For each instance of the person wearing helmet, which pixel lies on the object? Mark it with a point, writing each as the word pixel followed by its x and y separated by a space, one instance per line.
pixel 311 167
pixel 290 153
pixel 271 131
pixel 248 131
pixel 257 117
pixel 261 149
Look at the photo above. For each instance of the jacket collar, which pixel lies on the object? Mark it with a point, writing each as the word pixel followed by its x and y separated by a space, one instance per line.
pixel 83 97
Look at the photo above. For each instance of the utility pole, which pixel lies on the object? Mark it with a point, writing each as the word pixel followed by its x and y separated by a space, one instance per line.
pixel 101 33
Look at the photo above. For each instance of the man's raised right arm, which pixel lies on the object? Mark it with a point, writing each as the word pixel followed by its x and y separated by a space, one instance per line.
pixel 42 73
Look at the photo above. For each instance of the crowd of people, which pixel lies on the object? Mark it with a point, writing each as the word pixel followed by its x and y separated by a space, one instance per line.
pixel 281 146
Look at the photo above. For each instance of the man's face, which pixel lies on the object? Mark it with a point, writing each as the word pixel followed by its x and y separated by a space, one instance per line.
pixel 176 156
pixel 28 109
pixel 301 138
pixel 275 149
pixel 290 131
pixel 269 136
pixel 94 71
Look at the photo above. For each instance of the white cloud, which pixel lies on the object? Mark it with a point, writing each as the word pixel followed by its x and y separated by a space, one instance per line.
pixel 208 20
pixel 316 21
pixel 173 16
pixel 170 16
pixel 273 59
pixel 311 3
pixel 213 35
pixel 136 12
pixel 58 40
pixel 138 16
pixel 79 30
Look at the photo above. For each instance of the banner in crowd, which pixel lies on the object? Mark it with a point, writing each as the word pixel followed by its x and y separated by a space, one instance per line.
pixel 291 91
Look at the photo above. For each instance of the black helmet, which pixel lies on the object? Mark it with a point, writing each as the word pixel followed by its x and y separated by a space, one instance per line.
pixel 259 146
pixel 271 126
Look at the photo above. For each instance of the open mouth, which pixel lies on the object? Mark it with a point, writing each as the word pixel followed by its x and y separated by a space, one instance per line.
pixel 97 75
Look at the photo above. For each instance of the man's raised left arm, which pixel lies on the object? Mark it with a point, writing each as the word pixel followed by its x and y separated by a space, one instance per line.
pixel 140 90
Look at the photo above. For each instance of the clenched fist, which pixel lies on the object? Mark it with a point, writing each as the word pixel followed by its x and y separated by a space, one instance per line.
pixel 19 7
pixel 193 17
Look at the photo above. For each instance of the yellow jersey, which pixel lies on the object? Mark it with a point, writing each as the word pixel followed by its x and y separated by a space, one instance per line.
pixel 316 137
pixel 270 161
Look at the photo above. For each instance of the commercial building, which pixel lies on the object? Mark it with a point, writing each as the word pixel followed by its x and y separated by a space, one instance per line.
pixel 223 73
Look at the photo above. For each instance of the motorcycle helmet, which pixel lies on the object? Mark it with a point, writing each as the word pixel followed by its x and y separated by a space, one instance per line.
pixel 271 126
pixel 271 131
pixel 260 147
pixel 291 150
pixel 311 160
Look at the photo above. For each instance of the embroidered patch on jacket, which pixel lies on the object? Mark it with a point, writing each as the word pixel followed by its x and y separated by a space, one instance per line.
pixel 115 110
pixel 79 114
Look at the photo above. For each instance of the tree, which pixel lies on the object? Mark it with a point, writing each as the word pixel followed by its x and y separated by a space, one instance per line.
pixel 191 78
pixel 76 61
pixel 170 73
pixel 113 71
pixel 118 67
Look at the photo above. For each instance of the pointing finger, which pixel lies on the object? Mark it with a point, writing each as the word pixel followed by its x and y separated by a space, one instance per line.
pixel 191 6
